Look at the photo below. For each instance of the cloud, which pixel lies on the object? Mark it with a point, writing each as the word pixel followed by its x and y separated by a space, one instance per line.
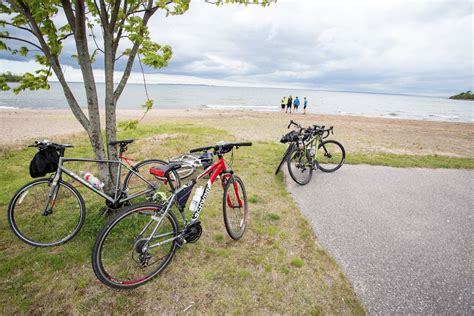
pixel 400 46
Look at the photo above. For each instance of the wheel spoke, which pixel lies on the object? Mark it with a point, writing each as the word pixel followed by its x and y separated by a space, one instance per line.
pixel 127 253
pixel 35 227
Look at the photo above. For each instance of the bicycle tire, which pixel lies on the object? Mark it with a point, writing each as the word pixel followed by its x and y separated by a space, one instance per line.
pixel 228 220
pixel 124 236
pixel 304 163
pixel 38 218
pixel 143 168
pixel 185 171
pixel 285 157
pixel 338 163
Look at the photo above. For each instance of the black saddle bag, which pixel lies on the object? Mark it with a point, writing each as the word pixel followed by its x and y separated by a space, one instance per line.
pixel 45 161
pixel 290 137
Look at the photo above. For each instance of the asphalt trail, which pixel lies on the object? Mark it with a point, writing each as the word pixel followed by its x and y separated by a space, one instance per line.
pixel 404 237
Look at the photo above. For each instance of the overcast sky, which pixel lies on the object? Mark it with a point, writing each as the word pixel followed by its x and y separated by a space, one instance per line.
pixel 396 46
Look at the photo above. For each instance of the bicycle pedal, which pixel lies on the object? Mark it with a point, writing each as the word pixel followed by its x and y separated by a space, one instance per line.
pixel 180 242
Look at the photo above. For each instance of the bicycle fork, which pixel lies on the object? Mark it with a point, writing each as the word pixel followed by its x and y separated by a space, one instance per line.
pixel 52 194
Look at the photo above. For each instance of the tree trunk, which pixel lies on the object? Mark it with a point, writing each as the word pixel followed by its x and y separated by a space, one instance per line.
pixel 94 132
pixel 110 102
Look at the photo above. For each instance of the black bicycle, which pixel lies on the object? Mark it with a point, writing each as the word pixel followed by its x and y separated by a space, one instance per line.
pixel 308 151
pixel 50 211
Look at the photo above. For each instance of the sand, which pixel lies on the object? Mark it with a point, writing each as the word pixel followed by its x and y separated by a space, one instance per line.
pixel 20 127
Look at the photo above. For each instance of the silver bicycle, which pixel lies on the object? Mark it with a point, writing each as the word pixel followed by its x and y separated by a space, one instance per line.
pixel 51 211
pixel 190 162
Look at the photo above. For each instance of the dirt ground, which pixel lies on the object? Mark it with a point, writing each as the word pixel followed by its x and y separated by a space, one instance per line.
pixel 355 132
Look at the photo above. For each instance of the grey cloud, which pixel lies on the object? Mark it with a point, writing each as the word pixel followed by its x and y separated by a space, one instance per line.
pixel 405 46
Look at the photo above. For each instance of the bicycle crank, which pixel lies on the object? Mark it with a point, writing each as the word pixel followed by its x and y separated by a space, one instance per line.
pixel 193 232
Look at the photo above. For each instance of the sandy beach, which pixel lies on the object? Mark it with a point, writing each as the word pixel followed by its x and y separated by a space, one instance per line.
pixel 21 126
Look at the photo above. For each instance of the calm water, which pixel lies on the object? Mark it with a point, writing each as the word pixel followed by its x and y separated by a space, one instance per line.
pixel 266 99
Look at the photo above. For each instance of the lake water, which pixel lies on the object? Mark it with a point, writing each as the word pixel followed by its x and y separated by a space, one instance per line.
pixel 260 99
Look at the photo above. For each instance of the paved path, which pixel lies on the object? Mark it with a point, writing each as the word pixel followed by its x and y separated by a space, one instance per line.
pixel 404 237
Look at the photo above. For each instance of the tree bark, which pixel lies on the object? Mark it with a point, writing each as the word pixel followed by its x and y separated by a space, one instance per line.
pixel 110 102
pixel 84 58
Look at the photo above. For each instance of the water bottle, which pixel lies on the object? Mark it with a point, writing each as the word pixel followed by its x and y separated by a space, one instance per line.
pixel 312 151
pixel 196 199
pixel 92 180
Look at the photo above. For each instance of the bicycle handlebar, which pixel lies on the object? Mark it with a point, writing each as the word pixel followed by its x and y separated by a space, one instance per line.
pixel 221 147
pixel 195 150
pixel 294 123
pixel 46 143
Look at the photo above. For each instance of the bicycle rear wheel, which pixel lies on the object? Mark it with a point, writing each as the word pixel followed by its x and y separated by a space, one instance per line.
pixel 134 185
pixel 300 166
pixel 235 207
pixel 42 225
pixel 331 155
pixel 124 257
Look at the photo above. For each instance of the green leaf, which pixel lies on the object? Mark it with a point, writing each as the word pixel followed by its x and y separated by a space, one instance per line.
pixel 23 51
pixel 148 105
pixel 128 125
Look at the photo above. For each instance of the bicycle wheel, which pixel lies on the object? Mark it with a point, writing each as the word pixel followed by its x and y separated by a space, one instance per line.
pixel 186 170
pixel 38 227
pixel 235 207
pixel 285 157
pixel 331 155
pixel 119 257
pixel 300 166
pixel 134 185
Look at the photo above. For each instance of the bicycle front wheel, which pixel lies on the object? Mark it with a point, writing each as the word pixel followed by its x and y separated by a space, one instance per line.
pixel 300 166
pixel 235 207
pixel 134 246
pixel 331 156
pixel 285 157
pixel 135 184
pixel 40 221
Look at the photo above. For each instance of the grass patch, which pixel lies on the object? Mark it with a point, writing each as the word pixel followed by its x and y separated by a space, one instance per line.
pixel 214 275
pixel 297 262
pixel 273 216
pixel 405 161
pixel 253 198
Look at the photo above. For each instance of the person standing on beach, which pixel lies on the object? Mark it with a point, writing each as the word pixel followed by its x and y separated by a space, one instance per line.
pixel 296 104
pixel 288 104
pixel 305 104
pixel 283 103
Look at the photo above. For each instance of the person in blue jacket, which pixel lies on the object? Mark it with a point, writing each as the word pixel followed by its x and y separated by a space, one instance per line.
pixel 296 104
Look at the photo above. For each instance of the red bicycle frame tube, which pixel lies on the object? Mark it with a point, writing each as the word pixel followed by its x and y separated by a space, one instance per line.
pixel 216 170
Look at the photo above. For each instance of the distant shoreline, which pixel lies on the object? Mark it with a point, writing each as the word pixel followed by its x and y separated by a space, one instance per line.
pixel 268 87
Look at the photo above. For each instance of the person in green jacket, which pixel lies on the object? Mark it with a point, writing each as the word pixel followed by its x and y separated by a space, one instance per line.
pixel 283 103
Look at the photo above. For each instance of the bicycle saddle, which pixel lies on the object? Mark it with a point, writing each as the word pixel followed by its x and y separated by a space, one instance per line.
pixel 121 142
pixel 164 170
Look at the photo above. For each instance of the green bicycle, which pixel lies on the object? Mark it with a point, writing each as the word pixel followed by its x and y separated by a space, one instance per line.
pixel 313 152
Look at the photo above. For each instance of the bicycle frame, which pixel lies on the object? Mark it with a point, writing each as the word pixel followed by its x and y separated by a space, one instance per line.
pixel 214 171
pixel 118 190
pixel 313 141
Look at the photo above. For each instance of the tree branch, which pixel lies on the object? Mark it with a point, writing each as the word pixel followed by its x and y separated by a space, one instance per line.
pixel 22 40
pixel 95 41
pixel 133 53
pixel 19 27
pixel 113 18
pixel 22 8
pixel 68 11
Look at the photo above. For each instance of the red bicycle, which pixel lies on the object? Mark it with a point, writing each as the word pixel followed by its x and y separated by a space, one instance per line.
pixel 140 241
